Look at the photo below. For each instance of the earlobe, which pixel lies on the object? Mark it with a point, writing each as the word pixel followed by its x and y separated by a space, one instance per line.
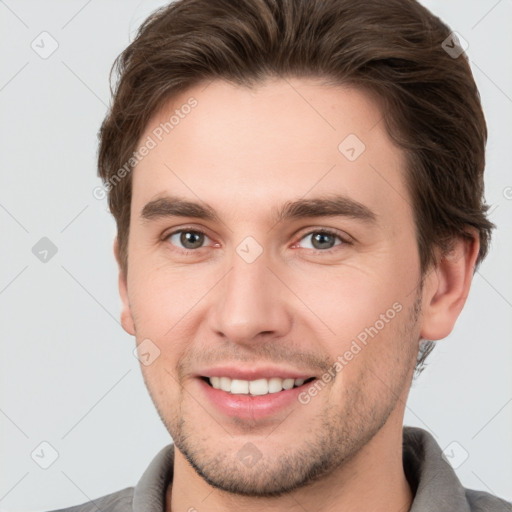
pixel 447 287
pixel 126 313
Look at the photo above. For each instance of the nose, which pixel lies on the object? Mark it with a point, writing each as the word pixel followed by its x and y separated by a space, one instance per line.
pixel 250 304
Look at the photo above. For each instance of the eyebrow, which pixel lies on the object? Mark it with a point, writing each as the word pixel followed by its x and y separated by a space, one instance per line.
pixel 329 206
pixel 170 206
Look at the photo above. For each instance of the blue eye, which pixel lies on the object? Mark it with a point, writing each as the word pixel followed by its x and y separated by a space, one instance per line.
pixel 322 240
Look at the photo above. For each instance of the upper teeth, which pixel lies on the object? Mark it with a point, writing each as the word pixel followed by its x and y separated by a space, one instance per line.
pixel 254 387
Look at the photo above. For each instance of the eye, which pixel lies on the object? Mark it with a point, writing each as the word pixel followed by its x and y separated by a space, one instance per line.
pixel 321 240
pixel 187 239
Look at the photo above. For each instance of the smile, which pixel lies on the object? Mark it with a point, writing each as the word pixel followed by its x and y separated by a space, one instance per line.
pixel 256 387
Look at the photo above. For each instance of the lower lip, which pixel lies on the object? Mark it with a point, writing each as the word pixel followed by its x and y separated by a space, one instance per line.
pixel 249 406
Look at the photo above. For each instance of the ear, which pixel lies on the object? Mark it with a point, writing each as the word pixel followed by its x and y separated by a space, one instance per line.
pixel 126 312
pixel 447 287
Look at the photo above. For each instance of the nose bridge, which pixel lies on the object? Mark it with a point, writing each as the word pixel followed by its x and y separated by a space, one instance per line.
pixel 249 302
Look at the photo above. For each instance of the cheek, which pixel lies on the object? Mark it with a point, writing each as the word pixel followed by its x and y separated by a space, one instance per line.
pixel 365 309
pixel 168 306
pixel 349 299
pixel 161 298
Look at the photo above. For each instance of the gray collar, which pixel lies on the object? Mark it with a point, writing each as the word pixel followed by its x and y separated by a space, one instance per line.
pixel 431 477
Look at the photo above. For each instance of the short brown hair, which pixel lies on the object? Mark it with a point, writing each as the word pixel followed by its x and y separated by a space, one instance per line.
pixel 393 49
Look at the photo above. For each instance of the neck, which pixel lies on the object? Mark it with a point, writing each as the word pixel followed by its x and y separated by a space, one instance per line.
pixel 373 479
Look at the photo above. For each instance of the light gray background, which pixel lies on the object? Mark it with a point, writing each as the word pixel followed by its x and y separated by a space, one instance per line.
pixel 68 374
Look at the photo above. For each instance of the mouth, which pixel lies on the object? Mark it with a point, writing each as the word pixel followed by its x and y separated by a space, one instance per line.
pixel 253 393
pixel 257 387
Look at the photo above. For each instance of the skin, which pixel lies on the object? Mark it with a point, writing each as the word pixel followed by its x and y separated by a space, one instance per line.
pixel 245 152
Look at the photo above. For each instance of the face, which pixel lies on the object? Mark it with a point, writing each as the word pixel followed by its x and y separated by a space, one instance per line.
pixel 272 280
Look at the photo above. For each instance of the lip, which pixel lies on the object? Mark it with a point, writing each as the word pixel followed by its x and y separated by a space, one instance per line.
pixel 249 407
pixel 266 372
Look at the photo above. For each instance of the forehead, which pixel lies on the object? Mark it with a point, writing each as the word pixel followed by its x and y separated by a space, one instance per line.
pixel 248 150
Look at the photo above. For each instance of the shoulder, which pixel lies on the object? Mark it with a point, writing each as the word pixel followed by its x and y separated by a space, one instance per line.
pixel 120 501
pixel 480 501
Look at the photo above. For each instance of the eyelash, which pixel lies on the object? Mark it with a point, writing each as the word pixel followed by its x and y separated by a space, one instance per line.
pixel 324 231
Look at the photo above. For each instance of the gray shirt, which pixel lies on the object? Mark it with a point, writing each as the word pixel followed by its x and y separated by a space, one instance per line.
pixel 434 483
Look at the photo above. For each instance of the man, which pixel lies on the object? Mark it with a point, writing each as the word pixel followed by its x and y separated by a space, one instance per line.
pixel 298 191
